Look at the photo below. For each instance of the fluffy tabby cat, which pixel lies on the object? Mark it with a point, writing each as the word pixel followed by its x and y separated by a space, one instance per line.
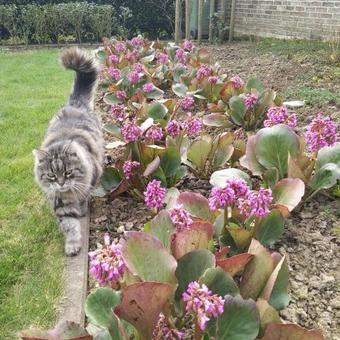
pixel 69 162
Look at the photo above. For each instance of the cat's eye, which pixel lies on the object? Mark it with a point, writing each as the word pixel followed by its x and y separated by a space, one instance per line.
pixel 68 173
pixel 51 175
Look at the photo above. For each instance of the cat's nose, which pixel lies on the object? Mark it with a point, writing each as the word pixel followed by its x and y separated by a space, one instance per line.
pixel 61 182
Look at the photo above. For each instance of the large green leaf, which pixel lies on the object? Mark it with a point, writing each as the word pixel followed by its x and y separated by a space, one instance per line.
pixel 325 177
pixel 217 120
pixel 224 149
pixel 237 109
pixel 170 162
pixel 110 179
pixel 239 321
pixel 161 227
pixel 257 271
pixel 147 257
pixel 199 151
pixel 99 310
pixel 270 228
pixel 219 282
pixel 254 84
pixel 267 314
pixel 180 90
pixel 273 145
pixel 330 154
pixel 249 160
pixel 156 93
pixel 111 99
pixel 191 267
pixel 276 289
pixel 218 178
pixel 157 110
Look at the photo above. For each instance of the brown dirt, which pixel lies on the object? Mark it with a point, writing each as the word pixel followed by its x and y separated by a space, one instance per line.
pixel 311 237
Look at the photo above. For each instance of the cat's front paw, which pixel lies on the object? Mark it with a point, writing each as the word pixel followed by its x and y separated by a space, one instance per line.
pixel 72 249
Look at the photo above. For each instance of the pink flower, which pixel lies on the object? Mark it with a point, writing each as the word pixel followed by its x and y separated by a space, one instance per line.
pixel 114 73
pixel 250 100
pixel 180 55
pixel 148 87
pixel 187 102
pixel 192 125
pixel 121 94
pixel 106 263
pixel 133 77
pixel 213 80
pixel 131 132
pixel 234 189
pixel 162 58
pixel 279 115
pixel 203 71
pixel 321 132
pixel 114 59
pixel 129 167
pixel 138 67
pixel 163 331
pixel 154 195
pixel 137 41
pixel 188 45
pixel 173 128
pixel 237 82
pixel 132 55
pixel 200 301
pixel 154 132
pixel 118 111
pixel 120 47
pixel 256 203
pixel 180 217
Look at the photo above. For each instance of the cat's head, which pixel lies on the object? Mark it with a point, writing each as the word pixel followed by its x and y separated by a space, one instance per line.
pixel 63 168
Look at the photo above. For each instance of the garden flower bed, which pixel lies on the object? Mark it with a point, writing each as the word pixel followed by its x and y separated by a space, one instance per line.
pixel 204 170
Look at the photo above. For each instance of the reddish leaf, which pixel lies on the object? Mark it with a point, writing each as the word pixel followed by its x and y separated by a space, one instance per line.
pixel 268 314
pixel 235 264
pixel 276 258
pixel 197 236
pixel 196 204
pixel 222 253
pixel 289 192
pixel 278 331
pixel 242 237
pixel 141 304
pixel 249 160
pixel 256 272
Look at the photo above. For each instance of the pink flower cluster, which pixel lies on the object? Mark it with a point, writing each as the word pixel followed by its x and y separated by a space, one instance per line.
pixel 106 263
pixel 138 67
pixel 118 111
pixel 187 102
pixel 200 301
pixel 321 132
pixel 173 128
pixel 131 132
pixel 213 80
pixel 162 58
pixel 129 167
pixel 192 124
pixel 121 94
pixel 203 71
pixel 180 217
pixel 236 192
pixel 132 55
pixel 120 47
pixel 237 82
pixel 280 115
pixel 162 331
pixel 114 73
pixel 188 45
pixel 250 100
pixel 155 132
pixel 137 41
pixel 114 59
pixel 154 195
pixel 148 87
pixel 133 77
pixel 181 55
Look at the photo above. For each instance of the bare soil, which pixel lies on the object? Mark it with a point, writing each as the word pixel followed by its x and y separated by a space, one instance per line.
pixel 311 238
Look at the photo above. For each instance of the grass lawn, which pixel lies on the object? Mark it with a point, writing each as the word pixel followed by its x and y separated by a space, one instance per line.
pixel 32 87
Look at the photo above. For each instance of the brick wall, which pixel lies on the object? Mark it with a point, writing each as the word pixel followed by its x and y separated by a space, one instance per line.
pixel 309 19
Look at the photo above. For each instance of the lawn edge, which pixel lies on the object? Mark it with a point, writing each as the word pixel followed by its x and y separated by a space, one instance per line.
pixel 72 304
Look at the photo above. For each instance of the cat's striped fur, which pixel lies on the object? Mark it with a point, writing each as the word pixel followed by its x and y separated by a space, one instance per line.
pixel 69 162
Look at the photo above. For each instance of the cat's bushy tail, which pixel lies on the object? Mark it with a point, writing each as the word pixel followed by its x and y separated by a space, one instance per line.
pixel 86 76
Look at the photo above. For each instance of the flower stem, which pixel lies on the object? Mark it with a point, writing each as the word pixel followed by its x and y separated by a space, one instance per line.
pixel 226 217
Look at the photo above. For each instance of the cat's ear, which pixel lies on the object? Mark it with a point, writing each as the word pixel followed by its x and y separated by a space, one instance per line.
pixel 39 154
